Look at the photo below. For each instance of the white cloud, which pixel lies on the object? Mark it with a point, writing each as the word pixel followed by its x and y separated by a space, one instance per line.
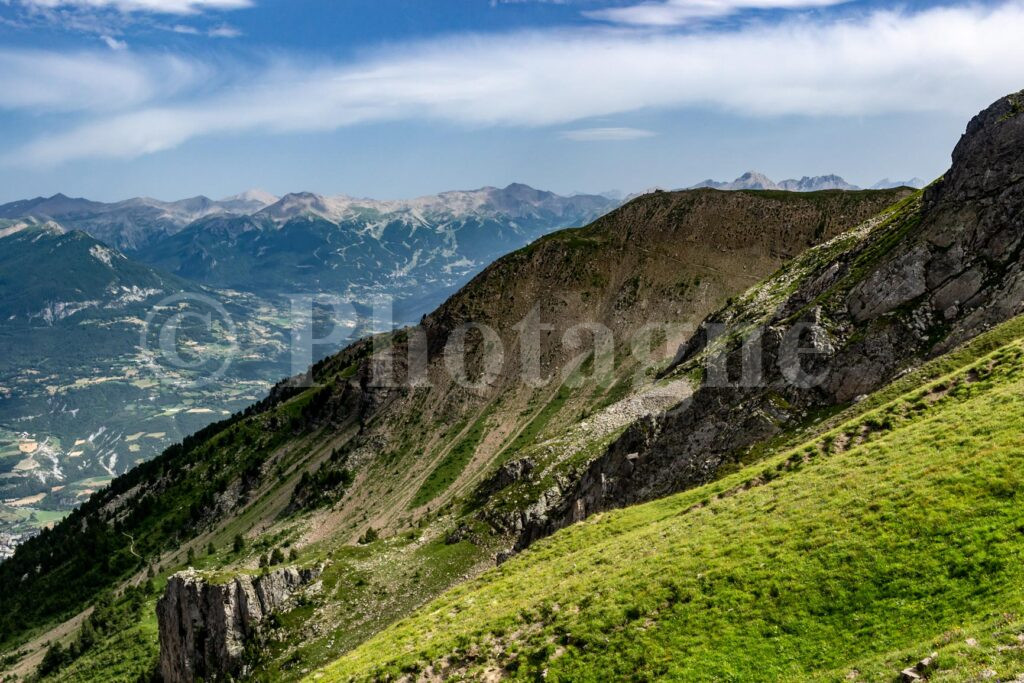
pixel 224 32
pixel 606 134
pixel 677 12
pixel 113 43
pixel 91 81
pixel 154 6
pixel 944 59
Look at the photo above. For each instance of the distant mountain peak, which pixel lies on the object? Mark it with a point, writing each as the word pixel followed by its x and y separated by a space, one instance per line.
pixel 885 183
pixel 519 186
pixel 296 204
pixel 8 227
pixel 515 199
pixel 254 195
pixel 754 180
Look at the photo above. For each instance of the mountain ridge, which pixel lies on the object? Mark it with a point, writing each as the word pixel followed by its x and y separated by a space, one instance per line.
pixel 109 221
pixel 753 180
pixel 917 273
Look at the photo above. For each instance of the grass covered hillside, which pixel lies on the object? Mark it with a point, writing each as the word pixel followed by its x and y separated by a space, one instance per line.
pixel 890 531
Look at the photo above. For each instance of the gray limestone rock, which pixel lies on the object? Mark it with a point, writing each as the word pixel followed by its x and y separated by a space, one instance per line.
pixel 204 626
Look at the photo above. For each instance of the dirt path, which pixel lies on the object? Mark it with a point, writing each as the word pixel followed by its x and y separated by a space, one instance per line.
pixel 131 545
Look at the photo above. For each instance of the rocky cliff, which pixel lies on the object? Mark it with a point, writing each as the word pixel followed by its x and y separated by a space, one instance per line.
pixel 838 322
pixel 205 626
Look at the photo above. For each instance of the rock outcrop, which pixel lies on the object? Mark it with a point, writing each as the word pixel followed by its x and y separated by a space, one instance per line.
pixel 205 626
pixel 940 270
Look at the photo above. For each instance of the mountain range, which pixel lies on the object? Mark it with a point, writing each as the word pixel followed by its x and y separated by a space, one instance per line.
pixel 132 223
pixel 417 251
pixel 82 282
pixel 302 458
pixel 752 180
pixel 752 435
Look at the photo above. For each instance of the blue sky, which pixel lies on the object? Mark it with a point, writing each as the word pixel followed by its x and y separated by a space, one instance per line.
pixel 393 98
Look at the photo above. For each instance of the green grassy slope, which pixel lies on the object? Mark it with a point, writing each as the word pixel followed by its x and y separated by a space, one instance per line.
pixel 852 555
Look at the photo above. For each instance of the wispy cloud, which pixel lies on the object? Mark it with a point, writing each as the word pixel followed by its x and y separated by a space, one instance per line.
pixel 109 19
pixel 97 82
pixel 224 32
pixel 942 59
pixel 153 6
pixel 606 134
pixel 113 43
pixel 678 12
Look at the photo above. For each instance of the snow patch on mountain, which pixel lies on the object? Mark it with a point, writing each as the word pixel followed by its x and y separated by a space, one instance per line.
pixel 514 201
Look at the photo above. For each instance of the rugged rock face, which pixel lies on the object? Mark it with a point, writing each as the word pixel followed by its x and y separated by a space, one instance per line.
pixel 204 627
pixel 941 270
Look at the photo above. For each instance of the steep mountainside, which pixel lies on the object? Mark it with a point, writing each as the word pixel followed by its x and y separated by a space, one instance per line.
pixel 885 539
pixel 311 471
pixel 907 286
pixel 841 525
